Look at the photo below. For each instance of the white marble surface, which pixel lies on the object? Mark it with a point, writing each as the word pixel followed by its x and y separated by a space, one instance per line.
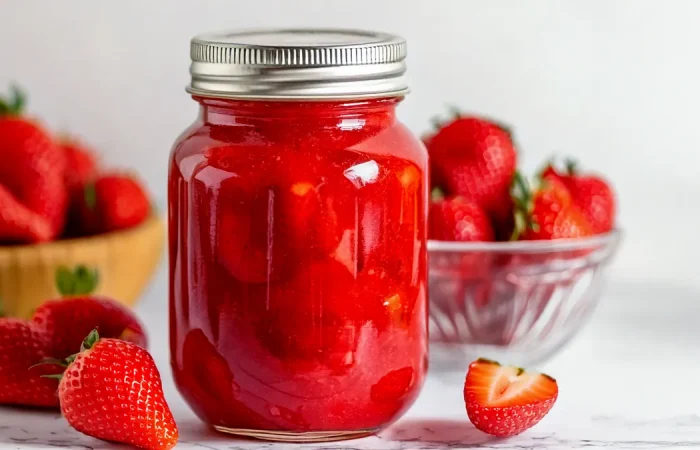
pixel 628 381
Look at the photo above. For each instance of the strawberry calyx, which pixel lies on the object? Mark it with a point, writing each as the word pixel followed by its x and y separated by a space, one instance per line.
pixel 13 105
pixel 79 281
pixel 89 341
pixel 523 200
pixel 572 167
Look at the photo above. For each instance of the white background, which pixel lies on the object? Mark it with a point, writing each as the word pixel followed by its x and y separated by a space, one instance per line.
pixel 614 83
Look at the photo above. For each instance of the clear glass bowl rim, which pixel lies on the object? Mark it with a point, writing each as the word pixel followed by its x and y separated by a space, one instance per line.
pixel 601 240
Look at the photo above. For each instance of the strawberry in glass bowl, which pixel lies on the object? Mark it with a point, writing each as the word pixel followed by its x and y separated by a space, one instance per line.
pixel 515 268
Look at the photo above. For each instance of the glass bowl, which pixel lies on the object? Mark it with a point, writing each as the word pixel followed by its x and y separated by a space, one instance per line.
pixel 514 302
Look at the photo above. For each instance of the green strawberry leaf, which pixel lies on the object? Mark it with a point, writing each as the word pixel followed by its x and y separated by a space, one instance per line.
pixel 13 105
pixel 90 340
pixel 80 281
pixel 571 166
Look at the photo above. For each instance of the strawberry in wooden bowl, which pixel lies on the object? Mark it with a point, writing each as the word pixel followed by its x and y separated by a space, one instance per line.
pixel 59 207
pixel 515 264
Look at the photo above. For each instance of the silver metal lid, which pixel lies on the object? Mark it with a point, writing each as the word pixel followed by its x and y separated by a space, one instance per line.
pixel 311 64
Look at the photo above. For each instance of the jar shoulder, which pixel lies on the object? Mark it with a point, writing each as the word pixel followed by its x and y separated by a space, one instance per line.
pixel 393 140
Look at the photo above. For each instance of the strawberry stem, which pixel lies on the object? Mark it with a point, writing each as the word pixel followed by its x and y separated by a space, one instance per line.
pixel 90 340
pixel 13 105
pixel 455 112
pixel 55 376
pixel 52 361
pixel 571 166
pixel 436 123
pixel 523 198
pixel 79 281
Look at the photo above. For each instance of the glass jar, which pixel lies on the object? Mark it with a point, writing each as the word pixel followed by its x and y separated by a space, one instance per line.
pixel 297 212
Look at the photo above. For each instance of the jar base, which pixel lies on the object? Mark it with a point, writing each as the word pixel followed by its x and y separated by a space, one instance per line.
pixel 287 436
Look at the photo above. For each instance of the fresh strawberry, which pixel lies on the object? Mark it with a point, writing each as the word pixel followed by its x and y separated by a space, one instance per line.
pixel 19 223
pixel 547 213
pixel 458 219
pixel 475 158
pixel 505 401
pixel 81 164
pixel 22 346
pixel 113 202
pixel 112 390
pixel 592 194
pixel 68 320
pixel 32 170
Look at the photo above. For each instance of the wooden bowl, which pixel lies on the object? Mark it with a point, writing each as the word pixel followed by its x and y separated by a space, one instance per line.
pixel 125 260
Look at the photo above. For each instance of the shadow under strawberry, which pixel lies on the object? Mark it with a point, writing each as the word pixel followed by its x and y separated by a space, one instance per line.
pixel 438 433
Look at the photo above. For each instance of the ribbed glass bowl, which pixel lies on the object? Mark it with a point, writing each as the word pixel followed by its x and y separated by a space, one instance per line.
pixel 515 302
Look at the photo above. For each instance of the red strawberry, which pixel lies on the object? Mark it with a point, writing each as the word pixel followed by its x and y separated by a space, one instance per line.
pixel 112 390
pixel 592 194
pixel 474 158
pixel 19 223
pixel 505 401
pixel 67 321
pixel 81 164
pixel 22 346
pixel 113 202
pixel 32 171
pixel 547 213
pixel 457 219
pixel 82 168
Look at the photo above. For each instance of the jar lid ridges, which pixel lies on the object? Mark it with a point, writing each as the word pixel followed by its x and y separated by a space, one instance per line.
pixel 314 64
pixel 217 53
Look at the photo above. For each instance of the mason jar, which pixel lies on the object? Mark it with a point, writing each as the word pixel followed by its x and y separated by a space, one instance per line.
pixel 297 236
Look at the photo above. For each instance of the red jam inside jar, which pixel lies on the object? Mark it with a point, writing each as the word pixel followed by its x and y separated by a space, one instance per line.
pixel 298 266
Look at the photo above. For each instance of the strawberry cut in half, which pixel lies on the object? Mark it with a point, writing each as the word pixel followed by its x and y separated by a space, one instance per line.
pixel 505 400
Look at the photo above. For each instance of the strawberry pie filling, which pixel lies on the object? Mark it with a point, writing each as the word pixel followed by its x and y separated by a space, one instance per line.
pixel 298 265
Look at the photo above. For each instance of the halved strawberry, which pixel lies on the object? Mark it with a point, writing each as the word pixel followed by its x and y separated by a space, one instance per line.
pixel 504 400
